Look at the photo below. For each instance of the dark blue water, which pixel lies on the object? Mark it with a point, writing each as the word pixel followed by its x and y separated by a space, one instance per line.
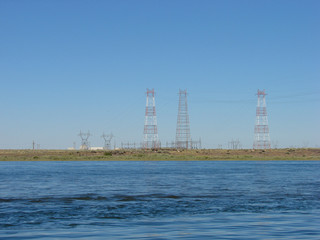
pixel 160 200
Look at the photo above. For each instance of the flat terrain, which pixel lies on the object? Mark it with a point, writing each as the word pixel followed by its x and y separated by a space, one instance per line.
pixel 160 154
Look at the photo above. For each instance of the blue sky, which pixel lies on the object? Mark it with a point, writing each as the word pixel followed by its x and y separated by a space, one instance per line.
pixel 67 66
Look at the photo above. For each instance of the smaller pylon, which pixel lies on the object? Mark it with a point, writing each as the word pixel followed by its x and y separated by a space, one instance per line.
pixel 84 140
pixel 107 140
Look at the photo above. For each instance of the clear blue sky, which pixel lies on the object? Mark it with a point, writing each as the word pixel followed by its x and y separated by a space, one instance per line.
pixel 67 66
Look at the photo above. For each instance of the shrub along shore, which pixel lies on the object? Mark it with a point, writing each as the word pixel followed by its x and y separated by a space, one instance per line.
pixel 160 155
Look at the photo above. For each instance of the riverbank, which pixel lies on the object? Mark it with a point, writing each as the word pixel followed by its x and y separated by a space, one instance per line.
pixel 161 155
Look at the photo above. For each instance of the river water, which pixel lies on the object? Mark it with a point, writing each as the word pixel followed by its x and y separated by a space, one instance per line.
pixel 160 200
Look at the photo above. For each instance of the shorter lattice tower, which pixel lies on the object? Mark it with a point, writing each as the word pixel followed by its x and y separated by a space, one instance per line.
pixel 84 140
pixel 107 140
pixel 151 139
pixel 261 129
pixel 183 138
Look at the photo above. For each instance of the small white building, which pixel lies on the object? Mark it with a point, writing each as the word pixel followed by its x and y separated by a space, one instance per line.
pixel 96 148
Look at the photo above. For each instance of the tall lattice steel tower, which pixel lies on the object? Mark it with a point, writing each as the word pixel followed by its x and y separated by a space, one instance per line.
pixel 261 129
pixel 183 138
pixel 151 139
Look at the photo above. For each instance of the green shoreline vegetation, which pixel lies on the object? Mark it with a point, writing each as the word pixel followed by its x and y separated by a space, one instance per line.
pixel 160 155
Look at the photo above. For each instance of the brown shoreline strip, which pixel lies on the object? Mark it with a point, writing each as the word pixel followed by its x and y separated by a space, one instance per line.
pixel 160 155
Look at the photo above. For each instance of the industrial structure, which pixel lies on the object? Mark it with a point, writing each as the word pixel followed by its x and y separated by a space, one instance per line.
pixel 193 144
pixel 151 139
pixel 261 129
pixel 196 144
pixel 107 141
pixel 130 145
pixel 183 138
pixel 85 145
pixel 234 144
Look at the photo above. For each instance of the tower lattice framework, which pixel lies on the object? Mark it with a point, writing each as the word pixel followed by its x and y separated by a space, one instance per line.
pixel 261 130
pixel 107 140
pixel 183 138
pixel 151 139
pixel 85 145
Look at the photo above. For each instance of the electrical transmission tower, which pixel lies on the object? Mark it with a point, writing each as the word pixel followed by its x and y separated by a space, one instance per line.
pixel 84 140
pixel 183 138
pixel 151 139
pixel 234 144
pixel 107 140
pixel 261 130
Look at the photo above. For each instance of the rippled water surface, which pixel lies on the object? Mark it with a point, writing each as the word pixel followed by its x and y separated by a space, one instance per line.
pixel 160 200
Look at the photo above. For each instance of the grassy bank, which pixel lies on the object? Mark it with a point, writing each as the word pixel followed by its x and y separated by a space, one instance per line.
pixel 161 155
